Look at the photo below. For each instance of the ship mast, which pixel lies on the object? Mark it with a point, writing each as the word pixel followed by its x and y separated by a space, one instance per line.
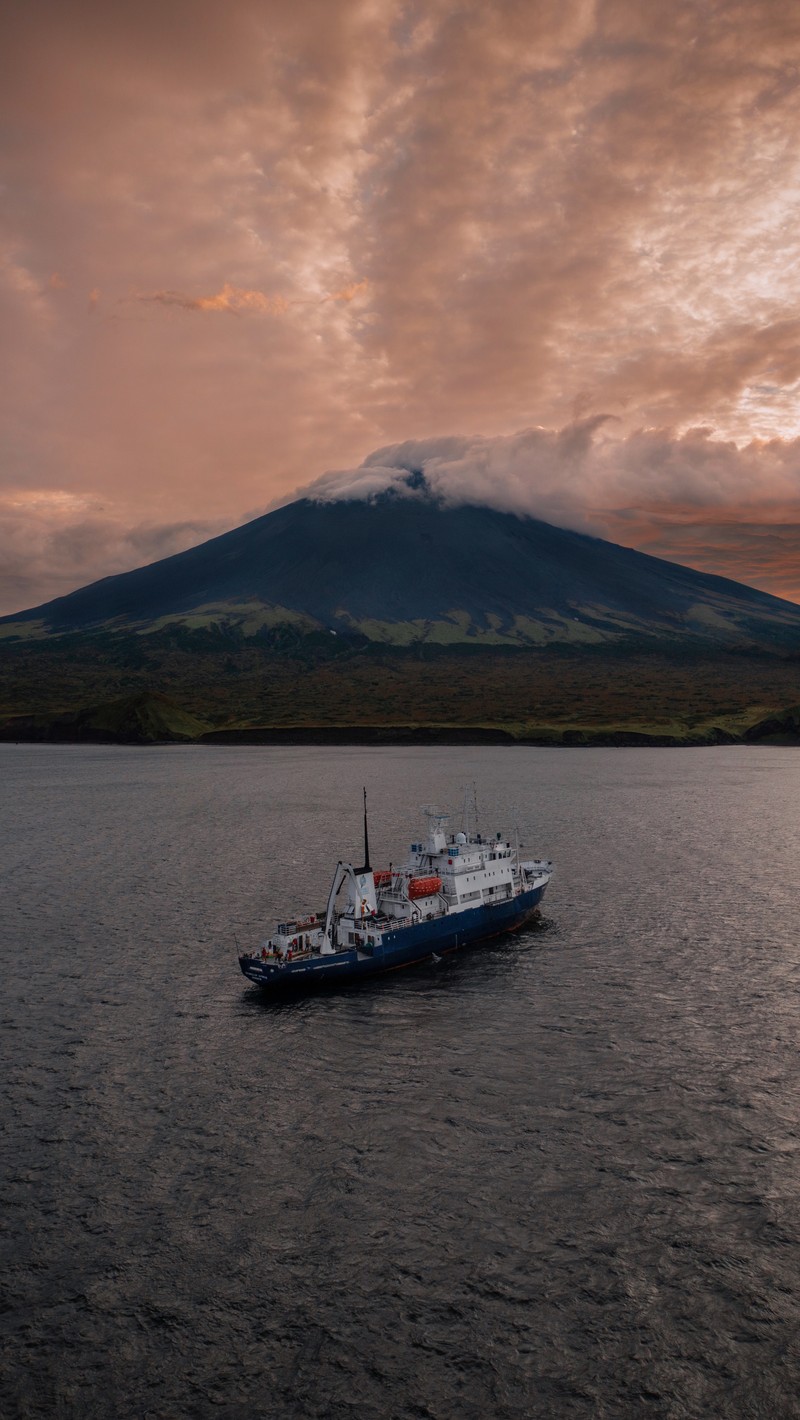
pixel 366 868
pixel 343 871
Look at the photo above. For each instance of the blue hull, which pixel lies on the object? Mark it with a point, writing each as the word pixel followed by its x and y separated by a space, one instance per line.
pixel 405 947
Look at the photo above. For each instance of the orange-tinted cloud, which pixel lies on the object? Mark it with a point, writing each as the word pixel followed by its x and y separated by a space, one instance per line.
pixel 236 300
pixel 348 293
pixel 746 543
pixel 435 216
pixel 231 298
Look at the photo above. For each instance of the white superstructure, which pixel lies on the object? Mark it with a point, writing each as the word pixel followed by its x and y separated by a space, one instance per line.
pixel 444 876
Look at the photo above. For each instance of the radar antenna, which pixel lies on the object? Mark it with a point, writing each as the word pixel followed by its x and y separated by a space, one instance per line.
pixel 469 813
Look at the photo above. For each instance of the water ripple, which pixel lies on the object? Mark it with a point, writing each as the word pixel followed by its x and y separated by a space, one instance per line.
pixel 556 1176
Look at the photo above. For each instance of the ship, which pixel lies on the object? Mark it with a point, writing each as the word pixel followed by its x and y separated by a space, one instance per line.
pixel 454 890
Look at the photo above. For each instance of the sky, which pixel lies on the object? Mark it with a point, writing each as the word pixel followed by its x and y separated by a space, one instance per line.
pixel 549 250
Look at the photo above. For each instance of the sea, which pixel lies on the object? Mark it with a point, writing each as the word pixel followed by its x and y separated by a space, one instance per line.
pixel 555 1176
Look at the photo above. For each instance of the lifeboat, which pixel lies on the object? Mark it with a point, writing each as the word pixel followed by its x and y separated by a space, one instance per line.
pixel 424 887
pixel 382 876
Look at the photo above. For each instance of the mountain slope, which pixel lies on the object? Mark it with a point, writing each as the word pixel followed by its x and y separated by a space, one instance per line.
pixel 403 569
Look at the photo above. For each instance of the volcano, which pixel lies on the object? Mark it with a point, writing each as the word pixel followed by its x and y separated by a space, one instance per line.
pixel 405 569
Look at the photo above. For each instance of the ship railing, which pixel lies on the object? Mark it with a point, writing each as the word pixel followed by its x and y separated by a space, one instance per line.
pixel 296 954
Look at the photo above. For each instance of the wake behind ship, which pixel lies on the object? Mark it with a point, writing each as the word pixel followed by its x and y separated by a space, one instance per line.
pixel 453 891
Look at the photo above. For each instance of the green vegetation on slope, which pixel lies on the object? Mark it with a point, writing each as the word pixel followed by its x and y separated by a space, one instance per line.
pixel 286 677
pixel 143 718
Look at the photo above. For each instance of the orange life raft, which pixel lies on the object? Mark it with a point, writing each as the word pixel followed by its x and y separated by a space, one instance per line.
pixel 423 887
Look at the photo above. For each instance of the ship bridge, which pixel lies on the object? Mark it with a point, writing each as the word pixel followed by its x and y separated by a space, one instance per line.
pixel 473 869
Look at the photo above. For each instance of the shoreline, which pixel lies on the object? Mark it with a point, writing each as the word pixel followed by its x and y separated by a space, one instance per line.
pixel 409 736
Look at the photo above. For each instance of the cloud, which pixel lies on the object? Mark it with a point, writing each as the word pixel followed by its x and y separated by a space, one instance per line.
pixel 575 474
pixel 52 541
pixel 348 293
pixel 688 497
pixel 230 298
pixel 235 300
pixel 434 216
pixel 750 545
pixel 538 471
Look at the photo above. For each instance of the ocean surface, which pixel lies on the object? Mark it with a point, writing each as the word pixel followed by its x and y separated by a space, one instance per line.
pixel 556 1176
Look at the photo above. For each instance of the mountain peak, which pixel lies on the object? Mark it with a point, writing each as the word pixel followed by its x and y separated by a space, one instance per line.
pixel 399 565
